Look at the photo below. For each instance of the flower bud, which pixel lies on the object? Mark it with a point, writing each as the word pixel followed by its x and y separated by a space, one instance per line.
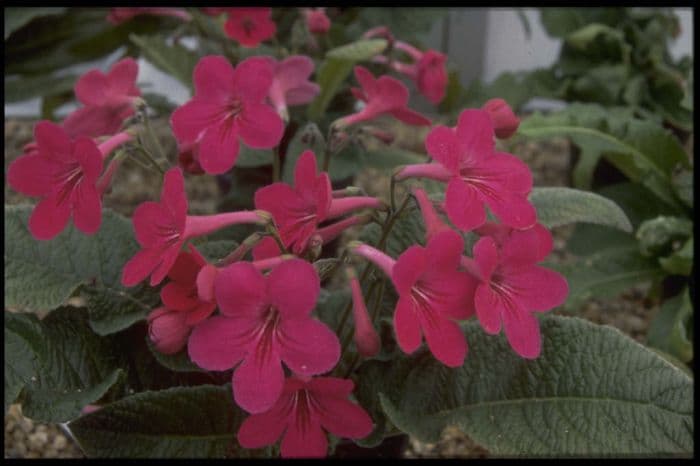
pixel 168 330
pixel 505 123
pixel 365 337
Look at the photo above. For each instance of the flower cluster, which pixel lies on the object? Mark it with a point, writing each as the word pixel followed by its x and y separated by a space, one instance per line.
pixel 256 316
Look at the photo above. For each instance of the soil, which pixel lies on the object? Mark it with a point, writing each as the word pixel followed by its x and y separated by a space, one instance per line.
pixel 549 161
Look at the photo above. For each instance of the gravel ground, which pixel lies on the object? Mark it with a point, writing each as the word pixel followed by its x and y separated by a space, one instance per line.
pixel 549 161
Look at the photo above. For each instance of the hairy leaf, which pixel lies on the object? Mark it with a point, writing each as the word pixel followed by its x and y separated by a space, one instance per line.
pixel 360 50
pixel 671 329
pixel 560 206
pixel 592 392
pixel 173 59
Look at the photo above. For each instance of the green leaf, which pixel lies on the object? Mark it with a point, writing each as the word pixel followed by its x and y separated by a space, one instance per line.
pixel 180 422
pixel 561 206
pixel 360 50
pixel 407 231
pixel 606 274
pixel 592 392
pixel 15 18
pixel 643 151
pixel 681 261
pixel 179 362
pixel 67 364
pixel 248 157
pixel 656 235
pixel 330 75
pixel 671 329
pixel 173 59
pixel 683 186
pixel 42 275
pixel 307 138
pixel 19 88
pixel 582 38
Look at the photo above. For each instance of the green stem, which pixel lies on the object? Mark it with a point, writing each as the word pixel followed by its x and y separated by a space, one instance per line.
pixel 148 155
pixel 272 231
pixel 392 191
pixel 152 135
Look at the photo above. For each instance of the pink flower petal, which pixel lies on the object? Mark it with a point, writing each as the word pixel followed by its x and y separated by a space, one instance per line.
pixel 259 430
pixel 545 243
pixel 445 340
pixel 475 134
pixel 87 208
pixel 213 79
pixel 122 77
pixel 185 269
pixel 280 200
pixel 241 290
pixel 512 209
pixel 89 157
pixel 308 347
pixel 293 288
pixel 95 121
pixel 406 326
pixel 305 171
pixel 444 251
pixel 410 117
pixel 343 418
pixel 140 266
pixel 49 218
pixel 219 343
pixel 408 268
pixel 302 94
pixel 190 120
pixel 92 88
pixel 443 146
pixel 294 71
pixel 177 297
pixel 218 148
pixel 168 257
pixel 266 249
pixel 537 288
pixel 199 313
pixel 252 79
pixel 31 174
pixel 205 283
pixel 365 78
pixel 523 333
pixel 512 173
pixel 173 198
pixel 258 381
pixel 489 308
pixel 304 441
pixel 148 219
pixel 521 248
pixel 53 142
pixel 260 126
pixel 463 205
pixel 486 255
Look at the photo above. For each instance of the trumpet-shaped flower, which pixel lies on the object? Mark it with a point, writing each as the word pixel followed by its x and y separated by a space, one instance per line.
pixel 512 287
pixel 183 307
pixel 266 320
pixel 290 83
pixel 228 105
pixel 163 227
pixel 108 100
pixel 65 174
pixel 432 294
pixel 382 96
pixel 304 409
pixel 429 70
pixel 476 174
pixel 365 336
pixel 250 26
pixel 298 210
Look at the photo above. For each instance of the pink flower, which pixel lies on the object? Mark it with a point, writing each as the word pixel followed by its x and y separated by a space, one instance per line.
pixel 120 15
pixel 429 71
pixel 476 174
pixel 163 227
pixel 512 287
pixel 187 159
pixel 316 20
pixel 432 222
pixel 505 123
pixel 228 105
pixel 385 95
pixel 432 293
pixel 365 336
pixel 183 307
pixel 250 26
pixel 301 413
pixel 290 83
pixel 299 210
pixel 108 100
pixel 266 321
pixel 64 173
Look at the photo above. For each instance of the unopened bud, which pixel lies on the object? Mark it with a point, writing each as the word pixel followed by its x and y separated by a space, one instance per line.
pixel 505 123
pixel 365 336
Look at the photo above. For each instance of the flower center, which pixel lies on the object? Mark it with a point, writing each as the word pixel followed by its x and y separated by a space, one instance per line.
pixel 267 334
pixel 68 181
pixel 422 303
pixel 303 409
pixel 248 26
